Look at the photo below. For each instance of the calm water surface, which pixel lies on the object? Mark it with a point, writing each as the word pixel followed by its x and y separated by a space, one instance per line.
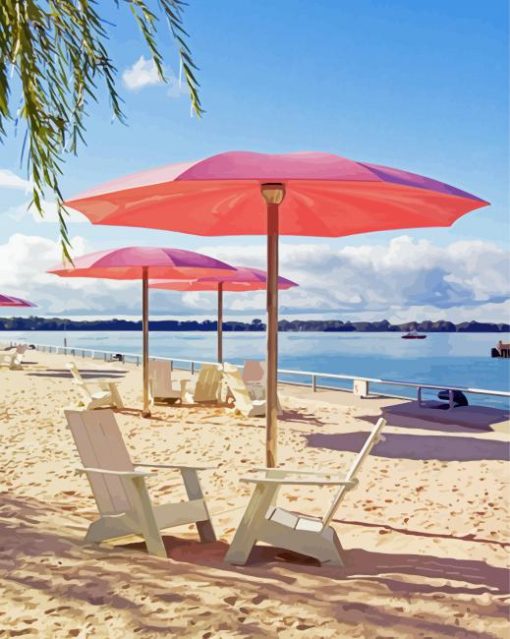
pixel 456 359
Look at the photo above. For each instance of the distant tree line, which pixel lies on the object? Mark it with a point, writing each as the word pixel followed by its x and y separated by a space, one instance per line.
pixel 328 326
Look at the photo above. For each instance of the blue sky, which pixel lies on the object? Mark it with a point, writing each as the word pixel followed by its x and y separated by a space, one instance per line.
pixel 419 86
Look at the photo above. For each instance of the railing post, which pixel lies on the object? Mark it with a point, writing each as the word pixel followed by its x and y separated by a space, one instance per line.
pixel 192 368
pixel 314 383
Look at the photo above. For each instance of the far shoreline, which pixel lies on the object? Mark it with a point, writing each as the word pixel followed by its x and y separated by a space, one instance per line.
pixel 43 324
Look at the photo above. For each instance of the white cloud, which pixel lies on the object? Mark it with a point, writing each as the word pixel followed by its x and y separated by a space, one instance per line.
pixel 400 280
pixel 50 213
pixel 142 74
pixel 24 260
pixel 9 180
pixel 385 278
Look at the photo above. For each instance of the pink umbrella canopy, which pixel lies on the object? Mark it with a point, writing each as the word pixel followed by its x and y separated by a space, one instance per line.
pixel 136 262
pixel 129 263
pixel 8 300
pixel 245 193
pixel 326 195
pixel 244 279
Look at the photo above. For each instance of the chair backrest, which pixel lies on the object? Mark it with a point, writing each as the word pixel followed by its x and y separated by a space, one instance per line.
pixel 207 388
pixel 370 442
pixel 254 371
pixel 160 374
pixel 237 387
pixel 21 348
pixel 100 445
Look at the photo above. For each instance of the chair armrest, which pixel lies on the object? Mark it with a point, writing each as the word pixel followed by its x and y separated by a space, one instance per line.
pixel 295 471
pixel 177 466
pixel 117 473
pixel 298 482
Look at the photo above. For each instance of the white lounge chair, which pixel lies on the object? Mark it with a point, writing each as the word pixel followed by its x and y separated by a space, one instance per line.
pixel 120 489
pixel 249 400
pixel 205 387
pixel 97 393
pixel 161 385
pixel 312 536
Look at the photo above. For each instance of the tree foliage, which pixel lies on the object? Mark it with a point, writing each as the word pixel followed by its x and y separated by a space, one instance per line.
pixel 53 55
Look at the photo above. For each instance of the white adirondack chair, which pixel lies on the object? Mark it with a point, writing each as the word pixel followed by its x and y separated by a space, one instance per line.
pixel 205 387
pixel 249 400
pixel 97 393
pixel 120 489
pixel 13 359
pixel 312 536
pixel 161 385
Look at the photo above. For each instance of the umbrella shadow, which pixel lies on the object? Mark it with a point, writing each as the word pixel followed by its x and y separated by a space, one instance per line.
pixel 416 447
pixel 79 572
pixel 301 417
pixel 479 576
pixel 86 373
pixel 459 419
pixel 443 427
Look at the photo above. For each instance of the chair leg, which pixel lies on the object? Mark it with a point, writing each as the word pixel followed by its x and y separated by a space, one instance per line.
pixel 327 548
pixel 116 398
pixel 251 524
pixel 148 524
pixel 240 548
pixel 194 491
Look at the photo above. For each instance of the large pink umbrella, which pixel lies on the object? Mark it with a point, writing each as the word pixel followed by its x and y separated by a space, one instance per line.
pixel 9 300
pixel 244 279
pixel 142 263
pixel 244 193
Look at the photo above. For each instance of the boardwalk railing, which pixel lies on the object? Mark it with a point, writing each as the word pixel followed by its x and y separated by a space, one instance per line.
pixel 358 385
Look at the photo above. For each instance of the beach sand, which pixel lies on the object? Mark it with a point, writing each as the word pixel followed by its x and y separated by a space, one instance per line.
pixel 425 533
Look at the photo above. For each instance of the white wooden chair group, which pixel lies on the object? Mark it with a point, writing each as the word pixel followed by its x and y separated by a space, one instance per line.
pixel 97 393
pixel 125 507
pixel 13 359
pixel 213 383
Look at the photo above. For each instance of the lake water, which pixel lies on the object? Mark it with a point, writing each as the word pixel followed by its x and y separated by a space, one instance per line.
pixel 448 359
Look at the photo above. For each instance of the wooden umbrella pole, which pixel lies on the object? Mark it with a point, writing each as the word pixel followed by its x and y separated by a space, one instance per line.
pixel 145 341
pixel 220 324
pixel 273 195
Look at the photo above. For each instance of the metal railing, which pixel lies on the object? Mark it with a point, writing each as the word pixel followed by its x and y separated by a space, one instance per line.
pixel 360 385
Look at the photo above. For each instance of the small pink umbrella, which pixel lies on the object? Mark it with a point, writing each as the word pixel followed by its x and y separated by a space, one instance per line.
pixel 140 263
pixel 243 280
pixel 8 300
pixel 245 193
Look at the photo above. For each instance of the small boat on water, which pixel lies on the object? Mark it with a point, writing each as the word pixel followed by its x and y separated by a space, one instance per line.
pixel 413 335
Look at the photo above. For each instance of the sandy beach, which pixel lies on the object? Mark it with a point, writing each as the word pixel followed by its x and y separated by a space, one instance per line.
pixel 425 533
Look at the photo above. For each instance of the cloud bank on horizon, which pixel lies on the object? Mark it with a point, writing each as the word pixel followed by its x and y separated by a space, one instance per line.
pixel 400 280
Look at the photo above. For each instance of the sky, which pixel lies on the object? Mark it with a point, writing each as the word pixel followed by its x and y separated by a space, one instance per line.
pixel 421 86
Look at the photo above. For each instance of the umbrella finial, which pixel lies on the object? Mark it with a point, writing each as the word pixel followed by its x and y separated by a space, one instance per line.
pixel 273 192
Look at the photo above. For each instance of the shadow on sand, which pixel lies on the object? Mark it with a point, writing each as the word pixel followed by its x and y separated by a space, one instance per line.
pixel 86 373
pixel 66 569
pixel 418 447
pixel 459 419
